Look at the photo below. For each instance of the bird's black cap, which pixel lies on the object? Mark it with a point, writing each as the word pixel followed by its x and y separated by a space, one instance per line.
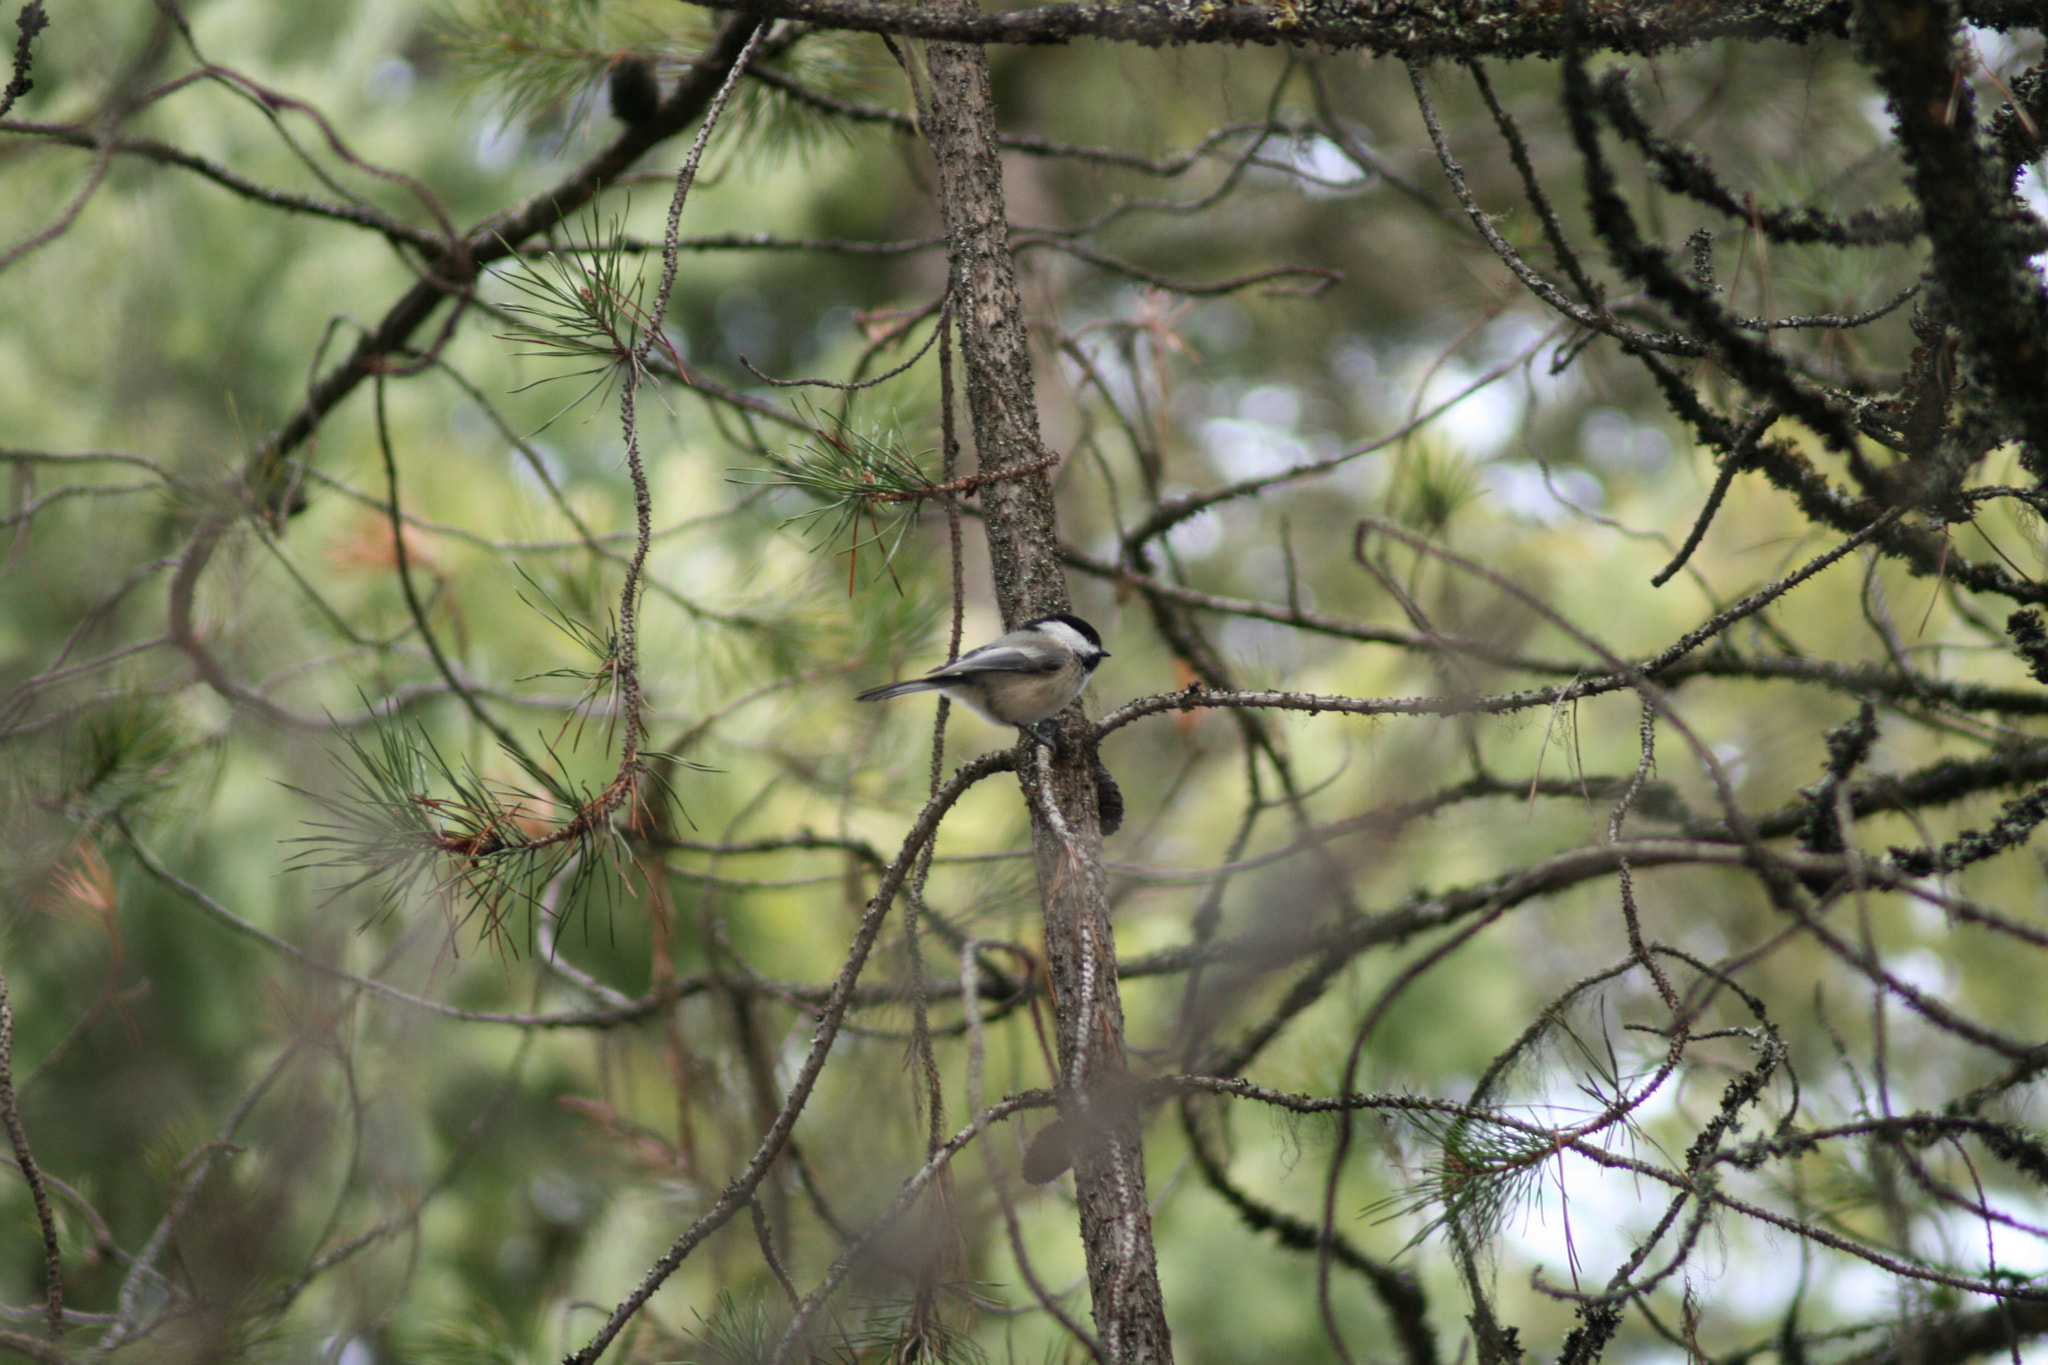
pixel 1078 626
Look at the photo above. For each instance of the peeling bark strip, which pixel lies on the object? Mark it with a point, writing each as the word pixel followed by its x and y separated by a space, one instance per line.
pixel 1109 1158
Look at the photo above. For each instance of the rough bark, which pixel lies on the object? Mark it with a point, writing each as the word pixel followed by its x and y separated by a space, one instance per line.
pixel 1107 1146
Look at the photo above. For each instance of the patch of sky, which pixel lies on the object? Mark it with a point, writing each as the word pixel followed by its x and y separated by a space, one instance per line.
pixel 1248 450
pixel 1324 170
pixel 2035 197
pixel 1265 650
pixel 1199 536
pixel 1613 441
pixel 1272 405
pixel 1577 1220
pixel 1259 440
pixel 1966 1235
pixel 1999 52
pixel 1923 970
pixel 1513 335
pixel 1480 421
pixel 1527 490
pixel 2030 190
pixel 1581 1221
pixel 1108 365
pixel 1172 337
pixel 1924 911
pixel 1852 1290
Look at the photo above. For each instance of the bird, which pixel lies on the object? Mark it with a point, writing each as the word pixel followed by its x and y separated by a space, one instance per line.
pixel 1024 678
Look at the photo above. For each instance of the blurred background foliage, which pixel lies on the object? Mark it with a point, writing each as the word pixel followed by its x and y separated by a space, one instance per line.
pixel 177 322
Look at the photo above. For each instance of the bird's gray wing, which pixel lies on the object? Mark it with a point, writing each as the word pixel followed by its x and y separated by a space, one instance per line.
pixel 997 658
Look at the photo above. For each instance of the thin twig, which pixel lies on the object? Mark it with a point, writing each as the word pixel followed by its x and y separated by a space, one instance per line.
pixel 17 1137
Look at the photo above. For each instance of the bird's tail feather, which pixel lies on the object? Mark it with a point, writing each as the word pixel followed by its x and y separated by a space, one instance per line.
pixel 901 689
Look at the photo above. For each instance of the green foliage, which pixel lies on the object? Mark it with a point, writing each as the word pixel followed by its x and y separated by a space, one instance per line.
pixel 479 1336
pixel 534 58
pixel 739 1331
pixel 126 759
pixel 1431 482
pixel 870 490
pixel 772 119
pixel 744 1330
pixel 574 621
pixel 483 847
pixel 582 303
pixel 383 827
pixel 1480 1176
pixel 246 934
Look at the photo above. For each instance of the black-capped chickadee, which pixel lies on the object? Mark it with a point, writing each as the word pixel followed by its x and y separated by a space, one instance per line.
pixel 1023 679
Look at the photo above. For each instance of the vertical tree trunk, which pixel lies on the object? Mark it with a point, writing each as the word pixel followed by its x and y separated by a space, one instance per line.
pixel 1106 1142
